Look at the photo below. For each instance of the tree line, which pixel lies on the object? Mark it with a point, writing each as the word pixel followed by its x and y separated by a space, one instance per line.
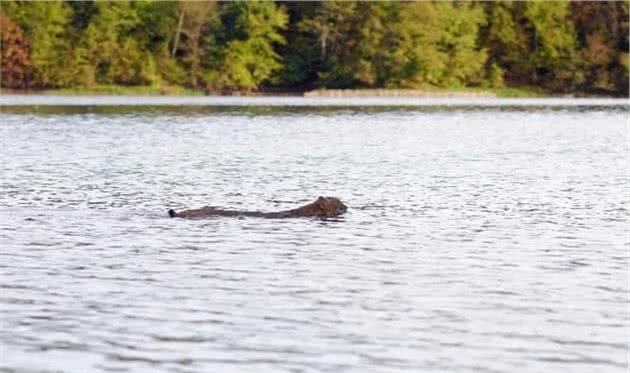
pixel 561 47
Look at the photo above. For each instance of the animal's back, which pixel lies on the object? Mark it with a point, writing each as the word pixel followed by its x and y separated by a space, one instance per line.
pixel 323 207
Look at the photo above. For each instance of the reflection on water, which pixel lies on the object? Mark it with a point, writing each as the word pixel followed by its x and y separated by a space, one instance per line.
pixel 477 239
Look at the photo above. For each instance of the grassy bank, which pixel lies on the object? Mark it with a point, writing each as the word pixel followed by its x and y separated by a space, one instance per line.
pixel 127 91
pixel 114 90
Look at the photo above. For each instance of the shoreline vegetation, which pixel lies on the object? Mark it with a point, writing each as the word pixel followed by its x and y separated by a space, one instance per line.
pixel 317 49
pixel 317 93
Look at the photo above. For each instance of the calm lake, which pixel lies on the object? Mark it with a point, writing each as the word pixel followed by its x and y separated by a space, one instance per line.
pixel 485 236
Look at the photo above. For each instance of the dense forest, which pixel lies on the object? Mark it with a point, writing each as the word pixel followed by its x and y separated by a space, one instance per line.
pixel 558 47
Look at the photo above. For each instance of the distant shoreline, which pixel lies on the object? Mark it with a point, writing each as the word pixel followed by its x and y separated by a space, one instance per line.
pixel 267 102
pixel 525 92
pixel 398 93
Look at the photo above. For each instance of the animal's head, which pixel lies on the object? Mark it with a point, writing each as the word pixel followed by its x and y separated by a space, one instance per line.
pixel 328 207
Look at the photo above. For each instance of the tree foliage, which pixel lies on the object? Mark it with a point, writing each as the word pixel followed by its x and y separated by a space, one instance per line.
pixel 554 56
pixel 254 45
pixel 46 24
pixel 602 31
pixel 244 54
pixel 14 60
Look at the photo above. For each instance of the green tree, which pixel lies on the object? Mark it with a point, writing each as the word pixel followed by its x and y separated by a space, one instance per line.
pixel 554 57
pixel 351 39
pixel 444 52
pixel 194 18
pixel 415 59
pixel 506 39
pixel 243 54
pixel 156 33
pixel 301 53
pixel 371 30
pixel 109 49
pixel 466 59
pixel 332 30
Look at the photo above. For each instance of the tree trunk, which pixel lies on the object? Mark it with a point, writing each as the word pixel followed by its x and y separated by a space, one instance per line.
pixel 179 30
pixel 323 40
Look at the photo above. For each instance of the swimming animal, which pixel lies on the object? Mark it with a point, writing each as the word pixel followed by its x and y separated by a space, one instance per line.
pixel 323 207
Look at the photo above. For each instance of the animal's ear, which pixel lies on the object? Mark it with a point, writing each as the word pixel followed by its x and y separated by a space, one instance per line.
pixel 320 201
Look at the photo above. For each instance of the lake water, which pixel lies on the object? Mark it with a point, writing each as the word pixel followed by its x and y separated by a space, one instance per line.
pixel 484 236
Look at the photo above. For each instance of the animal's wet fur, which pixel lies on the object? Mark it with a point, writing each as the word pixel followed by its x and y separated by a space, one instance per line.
pixel 323 207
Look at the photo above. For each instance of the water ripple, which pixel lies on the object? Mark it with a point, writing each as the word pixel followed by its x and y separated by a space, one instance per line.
pixel 477 239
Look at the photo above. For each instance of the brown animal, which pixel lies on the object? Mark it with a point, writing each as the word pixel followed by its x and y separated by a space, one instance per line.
pixel 323 207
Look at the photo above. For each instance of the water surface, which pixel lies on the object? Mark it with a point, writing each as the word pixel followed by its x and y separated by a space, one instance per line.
pixel 488 238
